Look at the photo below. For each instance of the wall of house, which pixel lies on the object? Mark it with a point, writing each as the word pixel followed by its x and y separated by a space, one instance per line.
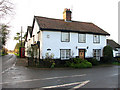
pixel 118 50
pixel 26 48
pixel 27 44
pixel 40 39
pixel 54 43
pixel 114 53
pixel 37 37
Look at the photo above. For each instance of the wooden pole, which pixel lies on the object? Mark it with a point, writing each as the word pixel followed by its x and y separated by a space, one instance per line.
pixel 21 36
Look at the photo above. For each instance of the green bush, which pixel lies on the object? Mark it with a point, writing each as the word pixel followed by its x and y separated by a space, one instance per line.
pixel 89 65
pixel 77 60
pixel 68 64
pixel 107 54
pixel 94 61
pixel 78 63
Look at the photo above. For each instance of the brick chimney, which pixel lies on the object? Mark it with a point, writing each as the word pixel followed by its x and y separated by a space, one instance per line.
pixel 67 14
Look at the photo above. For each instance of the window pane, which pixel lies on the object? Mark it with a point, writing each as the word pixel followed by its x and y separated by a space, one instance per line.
pixel 65 36
pixel 96 38
pixel 97 53
pixel 67 53
pixel 62 53
pixel 82 37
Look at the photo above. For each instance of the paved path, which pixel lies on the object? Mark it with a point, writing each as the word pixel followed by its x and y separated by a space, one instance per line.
pixel 98 77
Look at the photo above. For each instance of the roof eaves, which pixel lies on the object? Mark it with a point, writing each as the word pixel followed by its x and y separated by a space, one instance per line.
pixel 48 29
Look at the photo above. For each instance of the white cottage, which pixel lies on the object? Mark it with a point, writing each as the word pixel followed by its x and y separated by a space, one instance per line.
pixel 28 40
pixel 66 38
pixel 115 46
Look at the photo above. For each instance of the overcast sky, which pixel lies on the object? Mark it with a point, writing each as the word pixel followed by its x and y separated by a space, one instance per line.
pixel 103 13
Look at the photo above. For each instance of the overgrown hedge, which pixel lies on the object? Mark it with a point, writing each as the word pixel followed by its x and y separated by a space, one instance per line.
pixel 51 63
pixel 107 54
pixel 93 61
pixel 78 63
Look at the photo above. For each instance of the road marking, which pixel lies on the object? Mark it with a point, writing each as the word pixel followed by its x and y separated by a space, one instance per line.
pixel 69 84
pixel 43 79
pixel 80 85
pixel 9 68
pixel 116 74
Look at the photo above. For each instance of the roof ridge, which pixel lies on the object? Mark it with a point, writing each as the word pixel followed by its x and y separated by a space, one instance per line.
pixel 63 20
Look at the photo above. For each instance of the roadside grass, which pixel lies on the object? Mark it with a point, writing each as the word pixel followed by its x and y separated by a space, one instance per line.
pixel 116 63
pixel 109 64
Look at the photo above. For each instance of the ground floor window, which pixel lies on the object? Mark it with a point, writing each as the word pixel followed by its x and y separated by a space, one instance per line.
pixel 97 53
pixel 65 53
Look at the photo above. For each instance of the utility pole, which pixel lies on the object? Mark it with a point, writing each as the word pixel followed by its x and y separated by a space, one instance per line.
pixel 22 49
pixel 21 36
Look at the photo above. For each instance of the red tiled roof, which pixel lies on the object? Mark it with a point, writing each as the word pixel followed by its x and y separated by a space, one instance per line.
pixel 73 26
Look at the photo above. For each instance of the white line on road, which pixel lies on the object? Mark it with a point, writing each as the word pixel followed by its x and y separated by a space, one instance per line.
pixel 80 85
pixel 69 84
pixel 116 74
pixel 9 68
pixel 43 79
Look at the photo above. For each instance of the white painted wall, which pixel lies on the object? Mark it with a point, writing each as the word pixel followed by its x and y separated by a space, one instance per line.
pixel 114 52
pixel 26 48
pixel 27 44
pixel 54 43
pixel 119 50
pixel 37 37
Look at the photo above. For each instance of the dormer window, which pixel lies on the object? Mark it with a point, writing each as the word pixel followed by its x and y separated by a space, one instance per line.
pixel 65 36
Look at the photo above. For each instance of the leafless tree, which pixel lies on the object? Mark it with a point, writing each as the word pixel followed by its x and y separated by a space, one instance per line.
pixel 6 7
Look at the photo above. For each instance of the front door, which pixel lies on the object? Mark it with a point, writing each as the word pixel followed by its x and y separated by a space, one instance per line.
pixel 82 53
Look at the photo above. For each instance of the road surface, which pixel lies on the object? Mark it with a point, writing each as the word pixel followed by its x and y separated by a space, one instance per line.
pixel 23 77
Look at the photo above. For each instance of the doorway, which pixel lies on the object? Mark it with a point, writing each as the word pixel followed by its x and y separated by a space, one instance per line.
pixel 82 53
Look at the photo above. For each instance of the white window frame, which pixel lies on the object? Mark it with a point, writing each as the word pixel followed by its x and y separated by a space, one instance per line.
pixel 97 54
pixel 81 38
pixel 96 38
pixel 65 53
pixel 67 39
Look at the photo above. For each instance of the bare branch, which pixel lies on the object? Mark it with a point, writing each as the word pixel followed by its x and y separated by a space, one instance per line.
pixel 6 7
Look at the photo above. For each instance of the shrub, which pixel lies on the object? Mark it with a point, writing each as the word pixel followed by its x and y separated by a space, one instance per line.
pixel 83 65
pixel 68 64
pixel 53 65
pixel 107 54
pixel 89 65
pixel 94 61
pixel 78 63
pixel 77 60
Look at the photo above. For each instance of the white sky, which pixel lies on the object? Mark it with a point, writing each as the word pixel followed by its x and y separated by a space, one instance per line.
pixel 103 13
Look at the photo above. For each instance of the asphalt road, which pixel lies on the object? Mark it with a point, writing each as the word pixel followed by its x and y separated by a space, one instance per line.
pixel 23 77
pixel 8 62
